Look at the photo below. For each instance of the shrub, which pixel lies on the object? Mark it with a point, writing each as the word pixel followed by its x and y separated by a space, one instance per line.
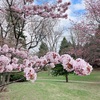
pixel 17 76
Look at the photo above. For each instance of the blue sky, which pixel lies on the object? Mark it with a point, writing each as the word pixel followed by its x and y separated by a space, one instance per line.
pixel 43 1
pixel 76 1
pixel 77 6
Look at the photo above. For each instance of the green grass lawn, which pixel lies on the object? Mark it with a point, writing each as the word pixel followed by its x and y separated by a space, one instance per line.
pixel 48 87
pixel 93 77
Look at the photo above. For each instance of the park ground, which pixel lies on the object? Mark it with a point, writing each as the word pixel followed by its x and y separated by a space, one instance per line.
pixel 48 87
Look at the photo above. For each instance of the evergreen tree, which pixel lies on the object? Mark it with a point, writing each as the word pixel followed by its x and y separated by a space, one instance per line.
pixel 43 49
pixel 64 47
pixel 59 70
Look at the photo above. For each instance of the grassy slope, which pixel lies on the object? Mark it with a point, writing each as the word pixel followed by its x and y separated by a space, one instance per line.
pixel 55 88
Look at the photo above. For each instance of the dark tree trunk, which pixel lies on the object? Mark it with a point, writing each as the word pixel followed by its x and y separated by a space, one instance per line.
pixel 66 77
pixel 3 81
pixel 8 78
pixel 0 80
pixel 3 78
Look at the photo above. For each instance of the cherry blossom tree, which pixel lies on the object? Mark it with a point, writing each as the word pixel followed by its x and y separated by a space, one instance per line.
pixel 12 59
pixel 65 64
pixel 83 32
pixel 93 48
pixel 85 41
pixel 16 14
pixel 80 33
pixel 19 59
pixel 13 18
pixel 93 11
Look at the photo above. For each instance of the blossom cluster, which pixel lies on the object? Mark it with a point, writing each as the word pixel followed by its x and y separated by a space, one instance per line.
pixel 15 59
pixel 57 10
pixel 12 59
pixel 79 66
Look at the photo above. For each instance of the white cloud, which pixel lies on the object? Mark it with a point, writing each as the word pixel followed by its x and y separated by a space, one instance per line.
pixel 71 16
pixel 78 6
pixel 71 12
pixel 66 0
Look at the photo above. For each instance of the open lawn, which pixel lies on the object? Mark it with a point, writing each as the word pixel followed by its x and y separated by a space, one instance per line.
pixel 48 87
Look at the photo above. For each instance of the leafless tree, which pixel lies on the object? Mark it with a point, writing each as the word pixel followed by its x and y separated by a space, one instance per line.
pixel 53 34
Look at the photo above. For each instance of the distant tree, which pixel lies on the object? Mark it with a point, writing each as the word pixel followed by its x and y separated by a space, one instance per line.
pixel 53 32
pixel 64 47
pixel 85 40
pixel 43 49
pixel 92 49
pixel 93 10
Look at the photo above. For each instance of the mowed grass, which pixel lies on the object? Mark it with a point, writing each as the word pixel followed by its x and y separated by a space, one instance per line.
pixel 93 77
pixel 48 87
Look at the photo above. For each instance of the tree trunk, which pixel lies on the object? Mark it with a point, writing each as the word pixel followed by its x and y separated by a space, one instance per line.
pixel 3 81
pixel 66 77
pixel 0 79
pixel 8 77
pixel 3 78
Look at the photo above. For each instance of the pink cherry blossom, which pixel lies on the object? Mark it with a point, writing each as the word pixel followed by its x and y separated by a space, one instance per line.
pixel 21 53
pixel 69 65
pixel 15 66
pixel 30 74
pixel 53 57
pixel 15 60
pixel 2 67
pixel 12 50
pixel 45 10
pixel 38 62
pixel 43 61
pixel 29 0
pixel 5 60
pixel 9 68
pixel 33 59
pixel 88 69
pixel 26 62
pixel 21 66
pixel 52 65
pixel 67 62
pixel 8 55
pixel 5 48
pixel 59 1
pixel 81 67
pixel 65 58
pixel 15 8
